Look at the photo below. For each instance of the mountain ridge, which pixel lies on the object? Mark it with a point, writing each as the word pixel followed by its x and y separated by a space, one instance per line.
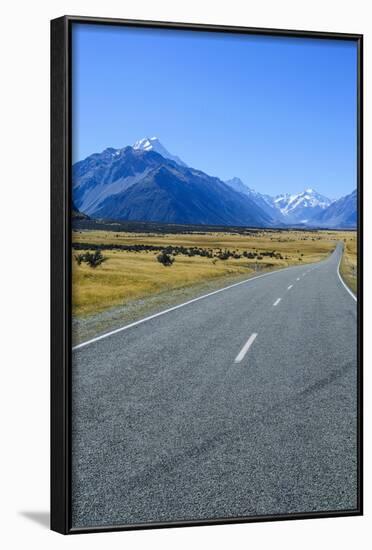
pixel 136 184
pixel 127 182
pixel 342 213
pixel 302 207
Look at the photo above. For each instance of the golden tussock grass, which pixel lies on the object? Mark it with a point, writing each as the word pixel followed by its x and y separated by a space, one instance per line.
pixel 126 276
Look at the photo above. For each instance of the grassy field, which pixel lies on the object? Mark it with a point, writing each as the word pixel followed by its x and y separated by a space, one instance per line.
pixel 128 275
pixel 348 266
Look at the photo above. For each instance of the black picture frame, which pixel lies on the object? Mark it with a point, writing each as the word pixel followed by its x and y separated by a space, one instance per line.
pixel 61 269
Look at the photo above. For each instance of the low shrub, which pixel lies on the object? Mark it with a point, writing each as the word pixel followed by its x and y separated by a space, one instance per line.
pixel 93 259
pixel 165 259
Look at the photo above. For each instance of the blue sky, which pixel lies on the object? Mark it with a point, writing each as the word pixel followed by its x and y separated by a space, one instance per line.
pixel 280 113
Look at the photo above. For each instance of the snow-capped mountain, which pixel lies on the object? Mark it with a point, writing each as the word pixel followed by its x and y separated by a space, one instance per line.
pixel 140 184
pixel 146 182
pixel 302 207
pixel 153 144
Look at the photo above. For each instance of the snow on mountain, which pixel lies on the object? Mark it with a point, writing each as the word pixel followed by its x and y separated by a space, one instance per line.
pixel 153 144
pixel 302 207
pixel 120 174
pixel 297 208
pixel 113 171
pixel 286 208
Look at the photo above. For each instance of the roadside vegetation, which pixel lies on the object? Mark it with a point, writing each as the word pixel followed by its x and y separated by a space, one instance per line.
pixel 137 265
pixel 348 265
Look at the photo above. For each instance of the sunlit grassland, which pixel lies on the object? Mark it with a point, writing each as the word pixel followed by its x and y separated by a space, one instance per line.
pixel 348 266
pixel 127 276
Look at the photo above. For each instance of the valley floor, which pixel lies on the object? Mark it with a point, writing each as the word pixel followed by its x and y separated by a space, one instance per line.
pixel 131 283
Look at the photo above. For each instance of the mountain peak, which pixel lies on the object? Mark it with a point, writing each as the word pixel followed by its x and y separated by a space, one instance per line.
pixel 153 144
pixel 303 206
pixel 236 181
pixel 146 143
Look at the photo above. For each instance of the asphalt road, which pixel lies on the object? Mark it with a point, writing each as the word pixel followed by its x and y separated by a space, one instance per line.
pixel 238 404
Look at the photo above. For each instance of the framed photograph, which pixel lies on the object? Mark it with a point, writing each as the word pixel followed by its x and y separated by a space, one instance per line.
pixel 206 274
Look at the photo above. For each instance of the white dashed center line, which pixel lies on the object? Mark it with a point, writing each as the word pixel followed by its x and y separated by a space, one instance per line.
pixel 276 302
pixel 245 348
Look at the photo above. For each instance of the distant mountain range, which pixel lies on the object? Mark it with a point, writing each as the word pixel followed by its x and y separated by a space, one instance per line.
pixel 146 182
pixel 341 213
pixel 302 207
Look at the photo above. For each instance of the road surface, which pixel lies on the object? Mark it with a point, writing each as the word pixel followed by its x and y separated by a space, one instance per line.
pixel 242 403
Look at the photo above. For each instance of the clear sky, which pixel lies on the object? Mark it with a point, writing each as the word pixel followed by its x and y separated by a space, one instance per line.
pixel 280 113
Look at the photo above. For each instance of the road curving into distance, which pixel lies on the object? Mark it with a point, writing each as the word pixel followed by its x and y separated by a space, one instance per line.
pixel 241 403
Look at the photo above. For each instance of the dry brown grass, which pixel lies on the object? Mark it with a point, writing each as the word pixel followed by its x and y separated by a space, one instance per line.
pixel 348 266
pixel 128 276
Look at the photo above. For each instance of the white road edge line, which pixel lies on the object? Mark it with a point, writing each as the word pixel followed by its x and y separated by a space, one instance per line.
pixel 290 286
pixel 125 327
pixel 342 281
pixel 245 348
pixel 276 302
